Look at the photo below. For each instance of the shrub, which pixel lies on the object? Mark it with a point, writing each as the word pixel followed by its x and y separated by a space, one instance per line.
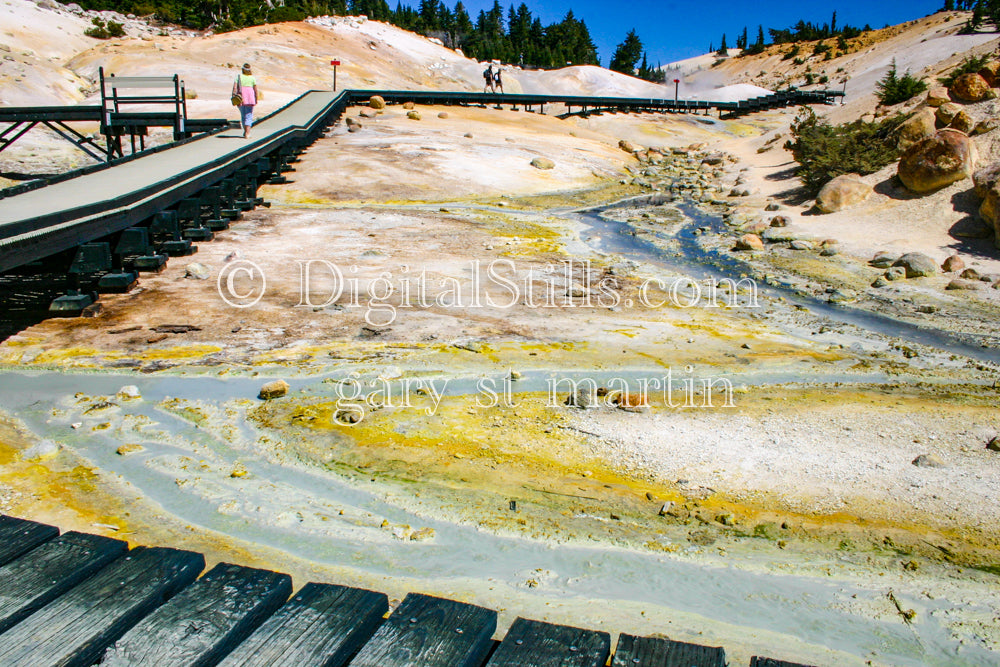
pixel 798 61
pixel 967 66
pixel 824 79
pixel 821 48
pixel 105 31
pixel 794 51
pixel 826 151
pixel 894 89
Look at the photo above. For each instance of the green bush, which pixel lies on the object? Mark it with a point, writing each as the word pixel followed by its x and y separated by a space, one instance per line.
pixel 282 14
pixel 826 151
pixel 104 31
pixel 794 51
pixel 894 89
pixel 969 65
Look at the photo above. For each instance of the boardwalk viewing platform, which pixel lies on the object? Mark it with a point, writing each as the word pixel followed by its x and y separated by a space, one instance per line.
pixel 80 599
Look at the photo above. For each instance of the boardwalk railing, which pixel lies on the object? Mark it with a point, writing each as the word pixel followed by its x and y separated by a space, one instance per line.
pixel 80 599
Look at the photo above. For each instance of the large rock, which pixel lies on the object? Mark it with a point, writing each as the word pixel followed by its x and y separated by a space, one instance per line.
pixel 275 389
pixel 939 160
pixel 920 126
pixel 938 96
pixel 990 71
pixel 628 146
pixel 842 192
pixel 962 122
pixel 947 112
pixel 749 242
pixel 985 178
pixel 989 211
pixel 917 265
pixel 970 87
pixel 952 264
pixel 376 102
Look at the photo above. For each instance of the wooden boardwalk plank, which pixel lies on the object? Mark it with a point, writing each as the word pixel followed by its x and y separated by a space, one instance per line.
pixel 45 573
pixel 548 645
pixel 652 652
pixel 18 536
pixel 321 626
pixel 431 632
pixel 205 621
pixel 771 662
pixel 75 629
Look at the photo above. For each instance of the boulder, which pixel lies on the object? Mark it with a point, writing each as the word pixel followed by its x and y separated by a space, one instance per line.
pixel 376 102
pixel 443 115
pixel 962 122
pixel 408 106
pixel 985 178
pixel 916 265
pixel 937 161
pixel 970 87
pixel 959 284
pixel 990 71
pixel 749 242
pixel 780 221
pixel 275 389
pixel 543 163
pixel 843 192
pixel 946 113
pixel 989 210
pixel 920 126
pixel 413 115
pixel 937 96
pixel 628 146
pixel 368 113
pixel 884 259
pixel 953 263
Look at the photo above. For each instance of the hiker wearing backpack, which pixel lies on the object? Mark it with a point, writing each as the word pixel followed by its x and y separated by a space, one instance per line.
pixel 488 77
pixel 498 81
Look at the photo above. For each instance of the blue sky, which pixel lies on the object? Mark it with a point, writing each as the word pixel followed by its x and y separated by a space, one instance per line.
pixel 672 30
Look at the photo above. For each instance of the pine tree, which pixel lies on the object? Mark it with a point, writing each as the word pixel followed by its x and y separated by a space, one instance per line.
pixel 627 54
pixel 723 49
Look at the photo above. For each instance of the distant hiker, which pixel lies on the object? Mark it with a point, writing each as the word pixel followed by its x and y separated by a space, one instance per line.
pixel 245 87
pixel 488 77
pixel 498 81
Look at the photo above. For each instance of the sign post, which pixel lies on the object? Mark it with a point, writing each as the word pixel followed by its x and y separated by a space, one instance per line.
pixel 677 85
pixel 334 63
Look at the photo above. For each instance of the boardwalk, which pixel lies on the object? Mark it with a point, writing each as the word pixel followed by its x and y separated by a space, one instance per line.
pixel 79 599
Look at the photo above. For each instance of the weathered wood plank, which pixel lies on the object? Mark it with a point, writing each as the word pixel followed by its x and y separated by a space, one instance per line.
pixel 204 622
pixel 322 625
pixel 652 652
pixel 43 574
pixel 74 630
pixel 18 536
pixel 431 632
pixel 771 662
pixel 547 645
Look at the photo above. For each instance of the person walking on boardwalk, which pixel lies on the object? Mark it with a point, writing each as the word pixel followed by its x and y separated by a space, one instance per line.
pixel 498 81
pixel 246 87
pixel 488 77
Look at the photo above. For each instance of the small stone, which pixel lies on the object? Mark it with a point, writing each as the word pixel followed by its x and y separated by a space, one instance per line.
pixel 895 273
pixel 801 245
pixel 585 397
pixel 413 115
pixel 829 251
pixel 467 135
pixel 953 263
pixel 773 206
pixel 239 471
pixel 780 221
pixel 408 105
pixel 543 163
pixel 197 271
pixel 628 146
pixel 726 519
pixel 994 444
pixel 443 115
pixel 364 113
pixel 970 274
pixel 937 96
pixel 422 535
pixel 275 389
pixel 880 282
pixel 928 461
pixel 129 448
